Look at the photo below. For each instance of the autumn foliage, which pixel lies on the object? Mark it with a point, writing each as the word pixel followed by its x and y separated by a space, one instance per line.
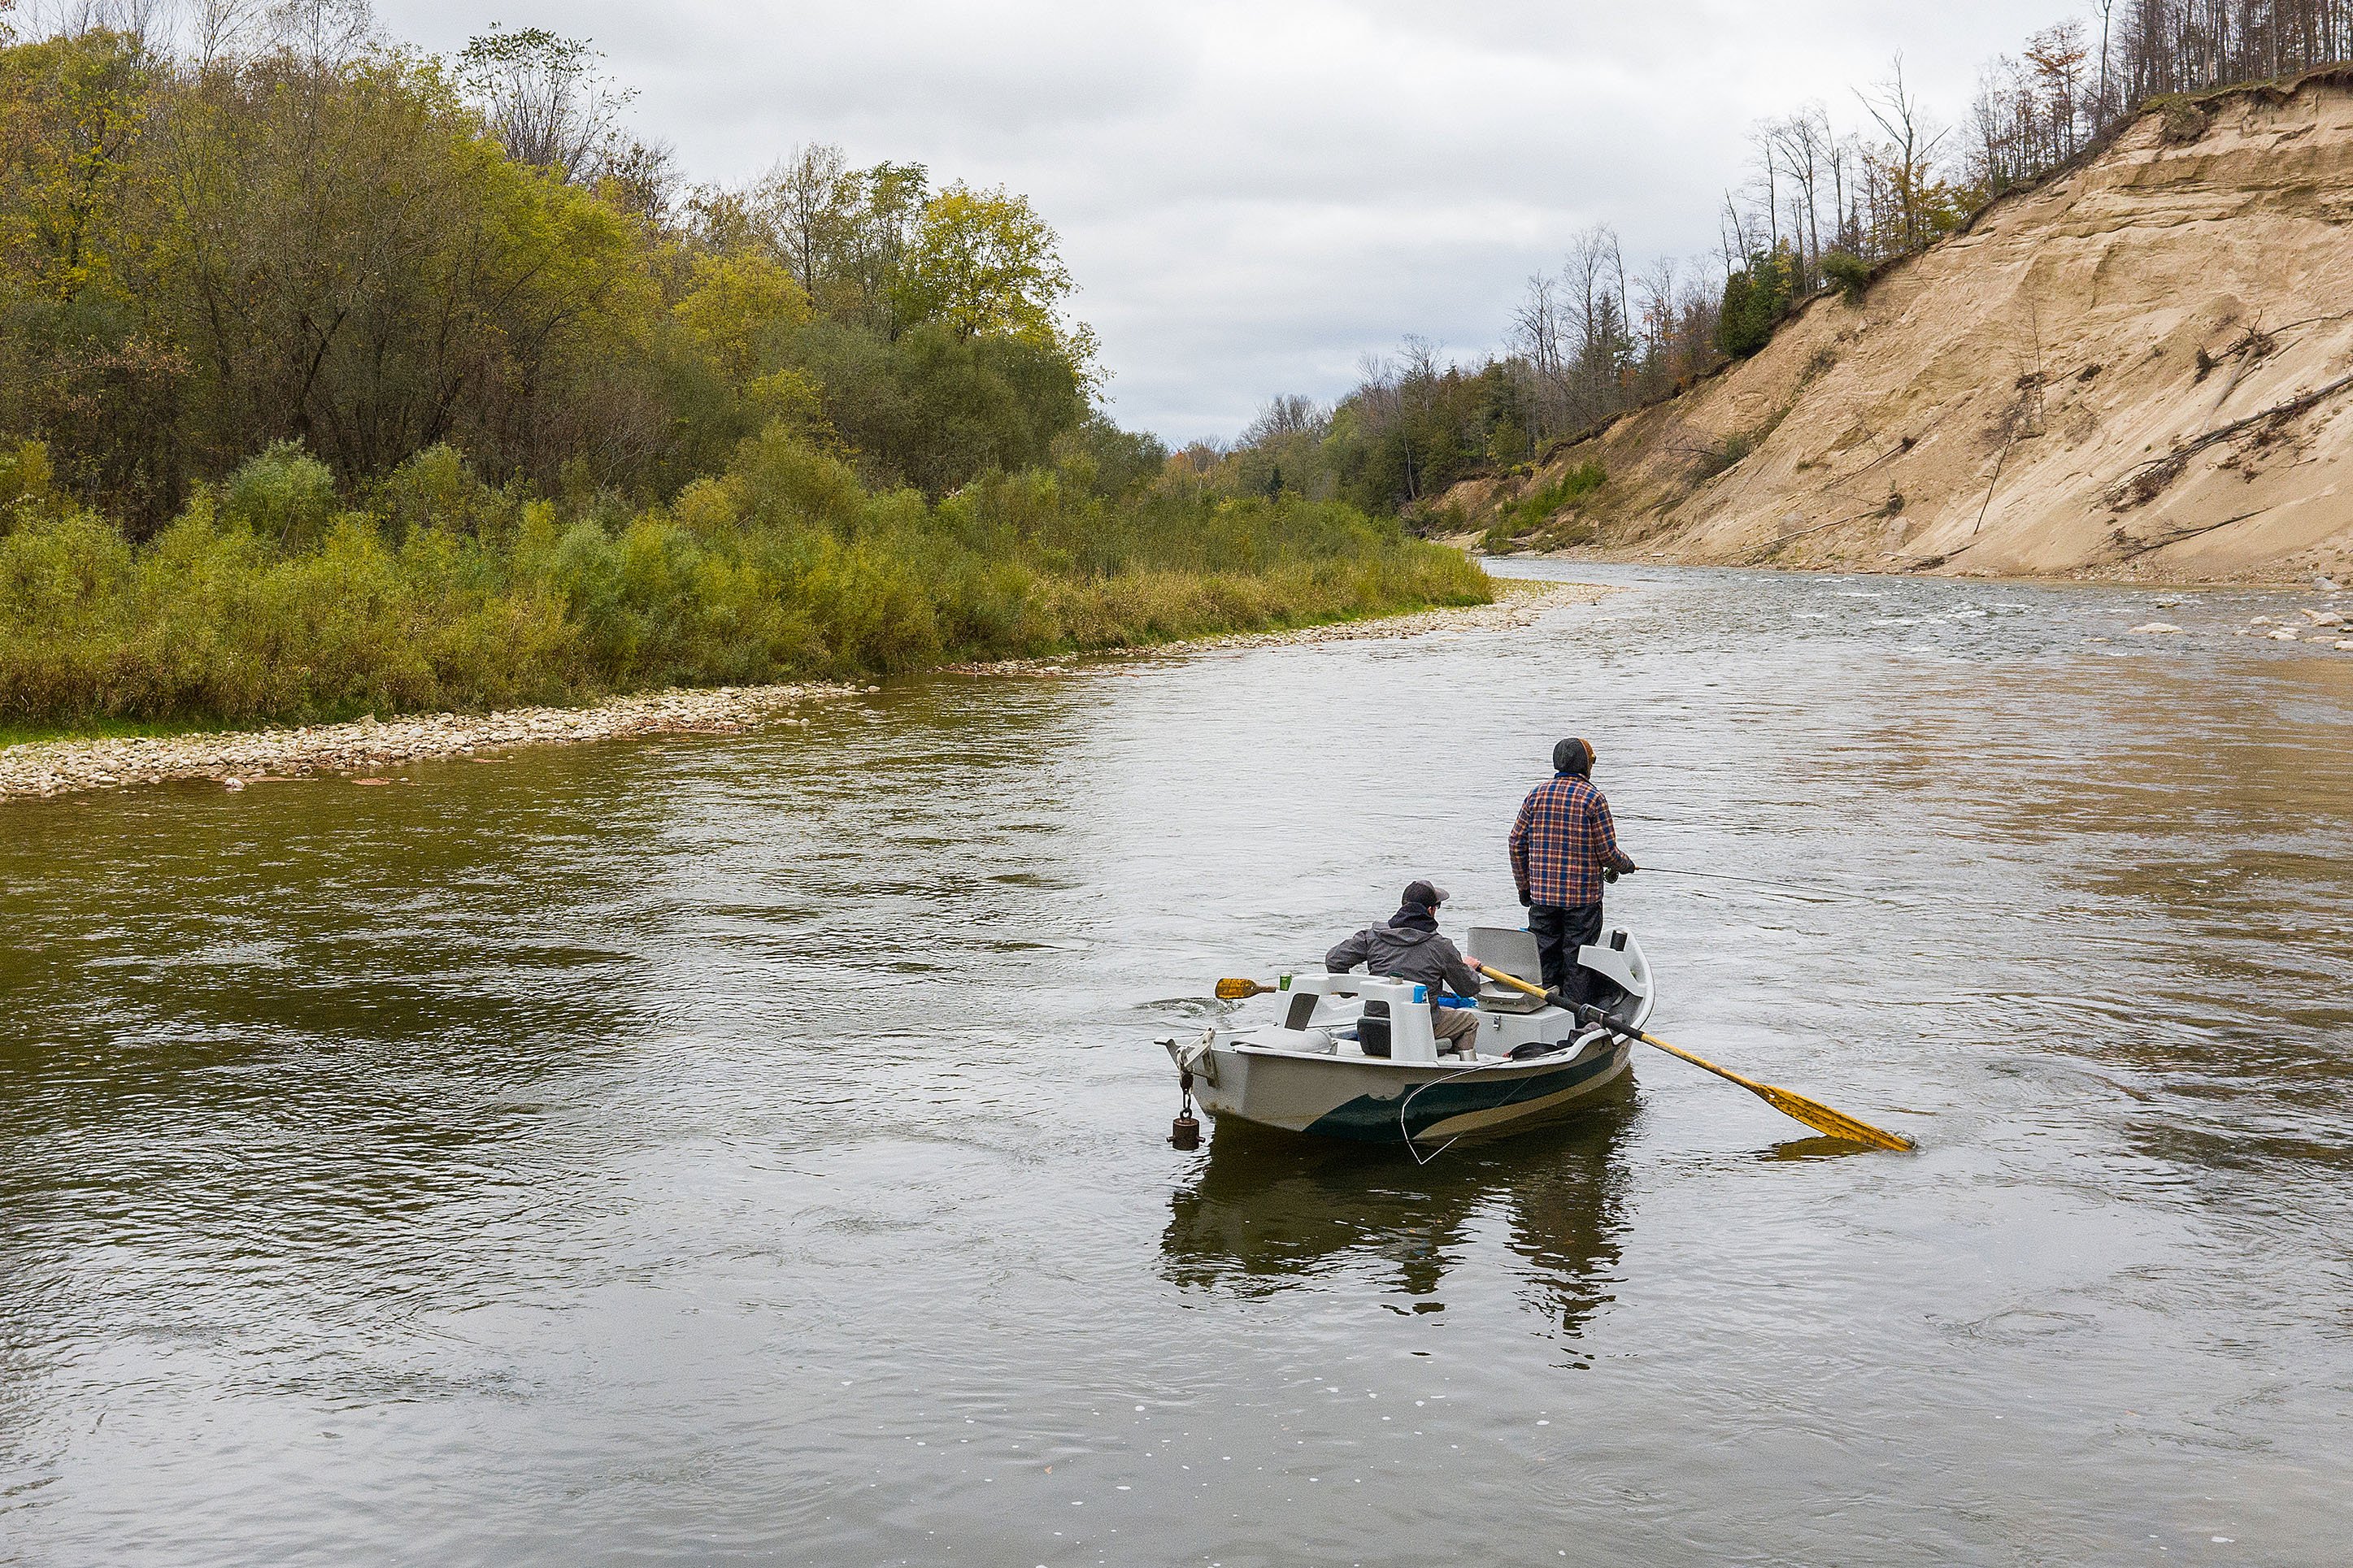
pixel 335 378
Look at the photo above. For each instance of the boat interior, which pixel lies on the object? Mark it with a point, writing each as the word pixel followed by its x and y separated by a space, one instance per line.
pixel 1375 1018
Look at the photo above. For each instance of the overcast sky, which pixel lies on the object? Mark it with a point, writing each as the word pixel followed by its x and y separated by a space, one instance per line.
pixel 1253 195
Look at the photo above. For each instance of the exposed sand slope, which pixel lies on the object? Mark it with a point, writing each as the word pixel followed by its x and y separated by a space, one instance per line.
pixel 2033 390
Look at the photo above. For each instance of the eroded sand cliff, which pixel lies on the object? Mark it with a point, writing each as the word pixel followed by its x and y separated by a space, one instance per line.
pixel 2143 367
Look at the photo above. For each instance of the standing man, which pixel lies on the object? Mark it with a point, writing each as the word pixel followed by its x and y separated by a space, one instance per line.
pixel 1564 847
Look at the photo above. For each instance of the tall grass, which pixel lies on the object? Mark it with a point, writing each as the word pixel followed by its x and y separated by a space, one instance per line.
pixel 274 598
pixel 1536 508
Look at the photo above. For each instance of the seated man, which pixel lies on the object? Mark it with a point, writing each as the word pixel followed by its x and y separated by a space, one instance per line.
pixel 1409 948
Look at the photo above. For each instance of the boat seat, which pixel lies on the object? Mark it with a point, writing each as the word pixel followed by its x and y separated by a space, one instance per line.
pixel 1513 952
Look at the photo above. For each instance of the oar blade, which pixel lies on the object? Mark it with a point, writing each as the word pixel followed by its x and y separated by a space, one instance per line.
pixel 1832 1123
pixel 1240 990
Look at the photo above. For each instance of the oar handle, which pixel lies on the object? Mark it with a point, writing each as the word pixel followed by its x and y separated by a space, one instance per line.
pixel 1514 981
pixel 1590 1013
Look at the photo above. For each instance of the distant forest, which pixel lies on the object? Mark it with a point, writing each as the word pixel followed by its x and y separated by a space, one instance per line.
pixel 1827 200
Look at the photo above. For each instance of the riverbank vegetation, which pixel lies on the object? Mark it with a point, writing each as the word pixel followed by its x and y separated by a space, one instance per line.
pixel 274 597
pixel 1827 201
pixel 336 377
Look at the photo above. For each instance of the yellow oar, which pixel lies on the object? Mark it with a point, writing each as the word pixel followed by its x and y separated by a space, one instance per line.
pixel 1241 990
pixel 1812 1113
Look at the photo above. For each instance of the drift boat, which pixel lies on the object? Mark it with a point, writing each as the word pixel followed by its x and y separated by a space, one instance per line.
pixel 1354 1056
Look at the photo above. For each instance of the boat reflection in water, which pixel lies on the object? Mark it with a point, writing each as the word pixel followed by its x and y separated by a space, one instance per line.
pixel 1266 1213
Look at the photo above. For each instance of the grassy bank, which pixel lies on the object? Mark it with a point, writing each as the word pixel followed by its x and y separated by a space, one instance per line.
pixel 277 597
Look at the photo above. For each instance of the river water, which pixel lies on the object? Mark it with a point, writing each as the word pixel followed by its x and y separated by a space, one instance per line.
pixel 751 1149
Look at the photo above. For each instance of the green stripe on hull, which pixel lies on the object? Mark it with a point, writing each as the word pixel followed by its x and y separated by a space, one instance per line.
pixel 1370 1120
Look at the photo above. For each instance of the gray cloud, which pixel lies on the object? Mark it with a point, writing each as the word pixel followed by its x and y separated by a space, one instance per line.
pixel 1254 195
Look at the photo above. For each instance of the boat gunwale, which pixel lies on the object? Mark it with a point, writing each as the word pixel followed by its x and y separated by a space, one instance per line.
pixel 1442 1067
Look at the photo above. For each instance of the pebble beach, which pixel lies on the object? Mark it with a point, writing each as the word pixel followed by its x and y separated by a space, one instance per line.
pixel 364 750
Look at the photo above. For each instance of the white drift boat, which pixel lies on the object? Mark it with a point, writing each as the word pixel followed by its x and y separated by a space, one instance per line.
pixel 1354 1056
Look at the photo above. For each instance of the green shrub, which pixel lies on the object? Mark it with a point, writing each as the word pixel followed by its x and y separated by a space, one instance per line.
pixel 1851 273
pixel 265 603
pixel 285 495
pixel 27 480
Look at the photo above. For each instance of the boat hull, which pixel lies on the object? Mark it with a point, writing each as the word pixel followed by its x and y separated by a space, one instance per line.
pixel 1371 1101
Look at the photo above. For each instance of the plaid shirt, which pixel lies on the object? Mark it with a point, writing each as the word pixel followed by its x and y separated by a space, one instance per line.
pixel 1562 840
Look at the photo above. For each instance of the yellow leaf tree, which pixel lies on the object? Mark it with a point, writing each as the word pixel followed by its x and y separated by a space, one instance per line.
pixel 984 264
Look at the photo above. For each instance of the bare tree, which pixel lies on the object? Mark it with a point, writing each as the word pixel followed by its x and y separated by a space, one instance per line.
pixel 72 19
pixel 1912 141
pixel 642 178
pixel 1536 325
pixel 219 29
pixel 809 203
pixel 544 98
pixel 324 34
pixel 1661 301
pixel 1288 414
pixel 1535 332
pixel 1802 144
pixel 2104 106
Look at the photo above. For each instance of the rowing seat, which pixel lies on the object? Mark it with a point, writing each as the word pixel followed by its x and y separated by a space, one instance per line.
pixel 1515 952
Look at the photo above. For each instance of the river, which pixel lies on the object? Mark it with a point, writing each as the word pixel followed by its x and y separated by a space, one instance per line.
pixel 753 1148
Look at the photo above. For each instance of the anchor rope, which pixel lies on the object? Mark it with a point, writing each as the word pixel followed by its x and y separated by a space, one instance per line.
pixel 1406 1102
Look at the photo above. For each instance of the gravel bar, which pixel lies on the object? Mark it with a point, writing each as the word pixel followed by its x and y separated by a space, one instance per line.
pixel 364 747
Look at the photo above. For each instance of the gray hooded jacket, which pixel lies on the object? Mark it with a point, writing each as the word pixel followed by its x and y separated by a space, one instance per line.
pixel 1408 954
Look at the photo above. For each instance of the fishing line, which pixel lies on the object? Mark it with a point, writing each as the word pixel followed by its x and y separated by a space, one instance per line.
pixel 1414 1149
pixel 1405 1104
pixel 1648 870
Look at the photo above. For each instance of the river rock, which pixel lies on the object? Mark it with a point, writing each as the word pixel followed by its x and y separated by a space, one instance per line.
pixel 2156 627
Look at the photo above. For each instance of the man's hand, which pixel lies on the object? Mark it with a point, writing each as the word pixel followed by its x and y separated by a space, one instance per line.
pixel 1525 901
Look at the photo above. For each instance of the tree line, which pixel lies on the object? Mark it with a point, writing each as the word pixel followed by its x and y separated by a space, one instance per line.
pixel 1826 201
pixel 233 226
pixel 337 377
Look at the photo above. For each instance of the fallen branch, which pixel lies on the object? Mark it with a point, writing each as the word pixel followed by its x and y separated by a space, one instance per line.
pixel 1770 545
pixel 2141 550
pixel 2163 469
pixel 2009 440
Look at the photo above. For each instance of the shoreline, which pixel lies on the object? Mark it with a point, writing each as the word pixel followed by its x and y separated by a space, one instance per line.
pixel 2083 577
pixel 359 749
pixel 1518 602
